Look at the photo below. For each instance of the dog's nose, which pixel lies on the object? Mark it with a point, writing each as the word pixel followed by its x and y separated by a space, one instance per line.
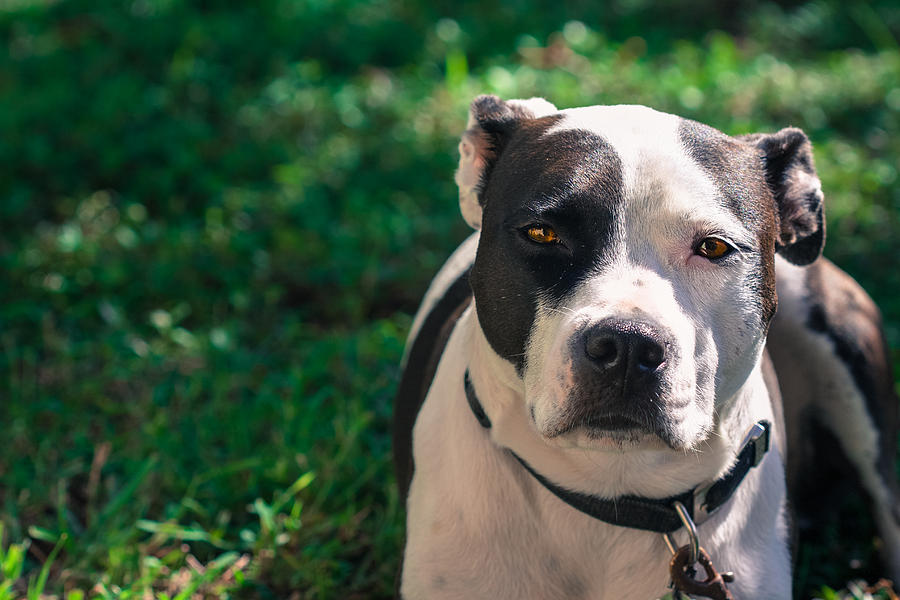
pixel 624 349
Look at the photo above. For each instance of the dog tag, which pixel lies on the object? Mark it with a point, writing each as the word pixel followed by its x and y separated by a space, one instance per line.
pixel 683 581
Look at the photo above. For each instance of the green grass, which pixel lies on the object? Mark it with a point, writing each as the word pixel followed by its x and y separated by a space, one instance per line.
pixel 216 223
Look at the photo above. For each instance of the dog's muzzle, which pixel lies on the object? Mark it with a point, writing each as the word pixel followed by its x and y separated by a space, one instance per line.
pixel 619 369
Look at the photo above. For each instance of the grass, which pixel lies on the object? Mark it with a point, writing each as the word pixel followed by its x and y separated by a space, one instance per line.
pixel 218 221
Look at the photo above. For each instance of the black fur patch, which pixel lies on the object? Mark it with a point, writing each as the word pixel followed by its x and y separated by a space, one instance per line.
pixel 424 354
pixel 570 180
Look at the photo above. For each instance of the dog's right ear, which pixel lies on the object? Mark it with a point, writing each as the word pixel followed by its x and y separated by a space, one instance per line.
pixel 491 121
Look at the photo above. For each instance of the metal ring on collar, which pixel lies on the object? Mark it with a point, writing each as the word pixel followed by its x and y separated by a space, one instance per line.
pixel 693 537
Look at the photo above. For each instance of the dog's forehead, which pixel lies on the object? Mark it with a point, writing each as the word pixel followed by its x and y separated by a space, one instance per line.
pixel 661 168
pixel 634 131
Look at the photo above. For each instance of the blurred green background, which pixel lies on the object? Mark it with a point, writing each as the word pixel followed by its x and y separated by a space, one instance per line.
pixel 216 220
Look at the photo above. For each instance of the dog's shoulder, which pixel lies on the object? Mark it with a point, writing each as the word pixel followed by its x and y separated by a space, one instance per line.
pixel 447 297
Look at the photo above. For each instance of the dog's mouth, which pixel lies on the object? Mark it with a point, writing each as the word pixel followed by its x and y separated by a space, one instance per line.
pixel 612 423
pixel 596 425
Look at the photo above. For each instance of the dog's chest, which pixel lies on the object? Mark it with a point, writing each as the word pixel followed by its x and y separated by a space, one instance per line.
pixel 477 521
pixel 489 530
pixel 512 560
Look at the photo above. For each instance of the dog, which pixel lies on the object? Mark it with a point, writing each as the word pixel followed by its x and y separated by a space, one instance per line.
pixel 594 379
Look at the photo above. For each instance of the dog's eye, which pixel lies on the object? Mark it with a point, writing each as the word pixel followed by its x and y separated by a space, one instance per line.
pixel 541 234
pixel 713 248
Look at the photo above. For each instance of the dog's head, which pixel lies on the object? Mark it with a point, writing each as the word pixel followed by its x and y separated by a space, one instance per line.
pixel 626 261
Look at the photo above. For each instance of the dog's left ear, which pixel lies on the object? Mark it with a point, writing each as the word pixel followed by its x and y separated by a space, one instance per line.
pixel 799 202
pixel 491 122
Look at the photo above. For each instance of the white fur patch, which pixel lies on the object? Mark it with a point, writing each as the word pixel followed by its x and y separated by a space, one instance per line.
pixel 656 168
pixel 538 107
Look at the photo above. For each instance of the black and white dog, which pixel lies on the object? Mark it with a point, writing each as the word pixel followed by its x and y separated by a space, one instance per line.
pixel 584 371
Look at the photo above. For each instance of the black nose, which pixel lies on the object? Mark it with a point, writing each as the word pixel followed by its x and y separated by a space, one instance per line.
pixel 624 349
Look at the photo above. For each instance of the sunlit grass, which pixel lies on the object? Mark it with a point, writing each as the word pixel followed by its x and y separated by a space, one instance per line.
pixel 217 226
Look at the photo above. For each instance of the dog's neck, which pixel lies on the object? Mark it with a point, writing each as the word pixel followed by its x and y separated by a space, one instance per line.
pixel 657 471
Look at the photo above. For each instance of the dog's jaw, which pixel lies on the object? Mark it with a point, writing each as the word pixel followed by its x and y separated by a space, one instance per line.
pixel 607 466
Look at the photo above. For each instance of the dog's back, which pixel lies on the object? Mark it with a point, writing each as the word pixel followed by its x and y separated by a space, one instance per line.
pixel 835 376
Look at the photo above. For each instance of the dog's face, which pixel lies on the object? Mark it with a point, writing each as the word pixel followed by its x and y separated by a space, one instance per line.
pixel 626 261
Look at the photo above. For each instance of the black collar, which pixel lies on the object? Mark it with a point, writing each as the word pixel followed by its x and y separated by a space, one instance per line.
pixel 649 514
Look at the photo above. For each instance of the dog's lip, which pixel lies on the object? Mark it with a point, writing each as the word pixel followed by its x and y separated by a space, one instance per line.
pixel 611 423
pixel 599 423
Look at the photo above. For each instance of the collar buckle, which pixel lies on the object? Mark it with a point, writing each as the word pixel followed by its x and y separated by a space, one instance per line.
pixel 701 508
pixel 758 435
pixel 752 451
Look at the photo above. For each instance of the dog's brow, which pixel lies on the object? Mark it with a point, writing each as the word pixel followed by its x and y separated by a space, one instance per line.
pixel 543 206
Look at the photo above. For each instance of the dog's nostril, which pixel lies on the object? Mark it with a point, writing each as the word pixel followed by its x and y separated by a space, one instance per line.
pixel 649 355
pixel 602 349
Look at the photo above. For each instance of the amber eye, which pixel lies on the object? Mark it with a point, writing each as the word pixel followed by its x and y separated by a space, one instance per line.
pixel 542 234
pixel 713 248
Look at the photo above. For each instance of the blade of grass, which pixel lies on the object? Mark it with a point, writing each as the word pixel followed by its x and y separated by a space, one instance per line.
pixel 124 495
pixel 36 588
